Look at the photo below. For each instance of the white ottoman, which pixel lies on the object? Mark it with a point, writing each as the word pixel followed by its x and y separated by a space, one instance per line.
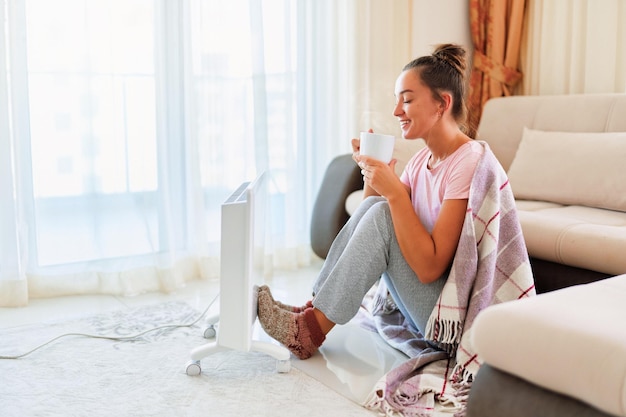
pixel 571 341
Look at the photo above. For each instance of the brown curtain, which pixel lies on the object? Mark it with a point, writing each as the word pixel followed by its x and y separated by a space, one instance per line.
pixel 496 27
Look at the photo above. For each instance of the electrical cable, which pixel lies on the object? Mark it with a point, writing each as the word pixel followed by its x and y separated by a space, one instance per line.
pixel 114 338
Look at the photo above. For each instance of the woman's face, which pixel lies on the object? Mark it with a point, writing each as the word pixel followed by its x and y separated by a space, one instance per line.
pixel 416 109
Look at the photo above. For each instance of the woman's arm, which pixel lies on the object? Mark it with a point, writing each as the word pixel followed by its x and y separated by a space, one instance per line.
pixel 428 255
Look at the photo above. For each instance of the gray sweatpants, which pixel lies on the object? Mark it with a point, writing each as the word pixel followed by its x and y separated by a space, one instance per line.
pixel 365 250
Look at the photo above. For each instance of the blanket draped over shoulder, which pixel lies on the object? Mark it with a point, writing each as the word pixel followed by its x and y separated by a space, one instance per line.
pixel 490 266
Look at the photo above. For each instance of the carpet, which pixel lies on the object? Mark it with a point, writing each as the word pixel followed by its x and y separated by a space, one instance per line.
pixel 78 376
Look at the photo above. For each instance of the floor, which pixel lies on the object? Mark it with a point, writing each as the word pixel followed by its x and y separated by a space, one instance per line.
pixel 350 361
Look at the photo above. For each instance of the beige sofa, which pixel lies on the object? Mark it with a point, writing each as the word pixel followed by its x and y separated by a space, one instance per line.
pixel 564 156
pixel 561 353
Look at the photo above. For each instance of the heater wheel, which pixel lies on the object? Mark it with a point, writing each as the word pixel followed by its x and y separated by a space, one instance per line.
pixel 283 366
pixel 209 332
pixel 193 368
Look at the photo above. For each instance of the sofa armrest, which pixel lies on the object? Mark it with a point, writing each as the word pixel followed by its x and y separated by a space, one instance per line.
pixel 341 178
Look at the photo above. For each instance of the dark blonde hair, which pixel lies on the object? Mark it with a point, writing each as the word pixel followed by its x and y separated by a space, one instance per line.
pixel 445 70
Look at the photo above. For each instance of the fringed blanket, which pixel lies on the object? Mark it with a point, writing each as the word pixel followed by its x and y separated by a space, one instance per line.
pixel 490 266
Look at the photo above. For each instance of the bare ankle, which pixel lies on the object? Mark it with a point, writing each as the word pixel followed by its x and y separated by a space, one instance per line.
pixel 325 324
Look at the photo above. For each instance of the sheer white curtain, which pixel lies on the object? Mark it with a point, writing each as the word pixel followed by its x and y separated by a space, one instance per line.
pixel 124 124
pixel 353 51
pixel 575 47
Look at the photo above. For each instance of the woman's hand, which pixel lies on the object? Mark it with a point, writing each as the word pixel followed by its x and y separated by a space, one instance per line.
pixel 356 156
pixel 379 176
pixel 356 148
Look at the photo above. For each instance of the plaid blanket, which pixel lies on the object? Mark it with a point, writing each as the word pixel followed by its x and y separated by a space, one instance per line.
pixel 490 266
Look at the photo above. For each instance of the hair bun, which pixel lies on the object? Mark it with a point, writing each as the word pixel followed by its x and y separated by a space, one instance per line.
pixel 451 54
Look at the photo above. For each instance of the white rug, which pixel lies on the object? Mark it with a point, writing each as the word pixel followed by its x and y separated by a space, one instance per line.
pixel 79 376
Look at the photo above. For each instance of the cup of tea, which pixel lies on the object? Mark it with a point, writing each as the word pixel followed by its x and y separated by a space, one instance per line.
pixel 377 146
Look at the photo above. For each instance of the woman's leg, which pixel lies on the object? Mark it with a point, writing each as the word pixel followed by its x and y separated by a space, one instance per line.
pixel 414 299
pixel 342 239
pixel 361 253
pixel 370 250
pixel 358 257
pixel 304 332
pixel 332 257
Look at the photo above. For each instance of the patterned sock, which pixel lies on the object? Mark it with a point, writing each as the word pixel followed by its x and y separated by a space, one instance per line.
pixel 299 332
pixel 282 306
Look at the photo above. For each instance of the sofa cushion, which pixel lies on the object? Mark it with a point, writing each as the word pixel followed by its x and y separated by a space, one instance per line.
pixel 570 341
pixel 579 236
pixel 353 201
pixel 503 118
pixel 571 168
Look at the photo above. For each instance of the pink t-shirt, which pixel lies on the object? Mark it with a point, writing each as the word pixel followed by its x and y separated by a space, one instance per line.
pixel 449 180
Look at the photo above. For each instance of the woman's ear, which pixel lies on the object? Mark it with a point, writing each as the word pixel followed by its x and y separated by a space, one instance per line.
pixel 446 101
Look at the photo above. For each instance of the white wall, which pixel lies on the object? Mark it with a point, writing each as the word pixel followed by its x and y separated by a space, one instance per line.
pixel 440 21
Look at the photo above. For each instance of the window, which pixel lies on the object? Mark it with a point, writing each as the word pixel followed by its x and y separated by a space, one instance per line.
pixel 126 95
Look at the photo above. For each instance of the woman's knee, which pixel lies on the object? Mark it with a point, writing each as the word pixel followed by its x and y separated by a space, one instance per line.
pixel 371 201
pixel 378 218
pixel 365 206
pixel 380 210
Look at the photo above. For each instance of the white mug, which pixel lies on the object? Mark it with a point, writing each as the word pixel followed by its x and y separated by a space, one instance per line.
pixel 377 146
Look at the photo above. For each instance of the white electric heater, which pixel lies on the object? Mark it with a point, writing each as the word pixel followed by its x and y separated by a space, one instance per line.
pixel 241 269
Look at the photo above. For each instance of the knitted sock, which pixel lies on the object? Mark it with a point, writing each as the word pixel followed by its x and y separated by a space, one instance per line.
pixel 299 332
pixel 282 306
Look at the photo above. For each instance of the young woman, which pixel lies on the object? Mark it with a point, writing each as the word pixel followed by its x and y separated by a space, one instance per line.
pixel 407 229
